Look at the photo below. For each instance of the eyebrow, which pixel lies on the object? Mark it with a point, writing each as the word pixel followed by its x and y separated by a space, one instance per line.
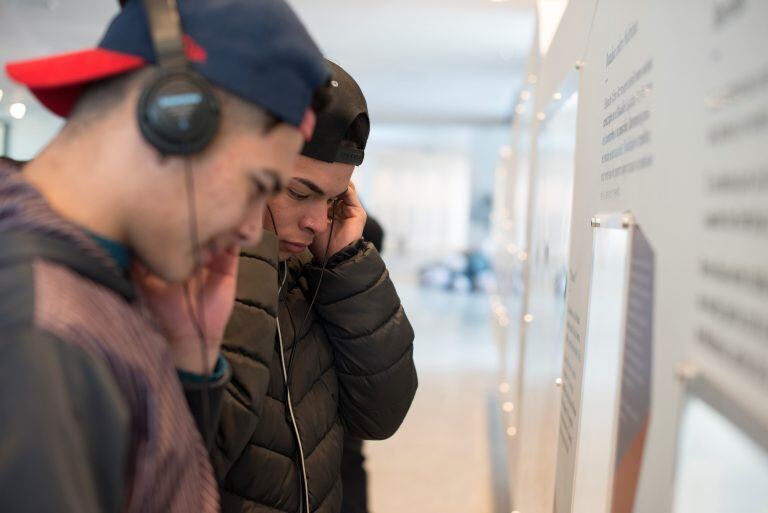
pixel 311 185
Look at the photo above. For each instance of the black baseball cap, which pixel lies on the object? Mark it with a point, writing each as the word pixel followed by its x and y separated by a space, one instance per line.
pixel 345 110
pixel 255 49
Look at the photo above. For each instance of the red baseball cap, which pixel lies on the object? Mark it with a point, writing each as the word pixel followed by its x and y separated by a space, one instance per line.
pixel 256 49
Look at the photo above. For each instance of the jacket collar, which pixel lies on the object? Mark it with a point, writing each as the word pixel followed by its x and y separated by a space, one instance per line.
pixel 23 210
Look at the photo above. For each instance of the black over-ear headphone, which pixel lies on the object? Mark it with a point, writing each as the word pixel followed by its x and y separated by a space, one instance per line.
pixel 178 111
pixel 179 114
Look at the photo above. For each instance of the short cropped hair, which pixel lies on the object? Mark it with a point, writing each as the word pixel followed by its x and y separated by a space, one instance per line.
pixel 104 95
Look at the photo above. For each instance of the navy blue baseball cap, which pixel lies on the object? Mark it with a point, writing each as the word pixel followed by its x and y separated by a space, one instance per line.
pixel 256 49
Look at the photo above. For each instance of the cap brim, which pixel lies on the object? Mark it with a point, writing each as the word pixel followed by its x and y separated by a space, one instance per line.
pixel 58 81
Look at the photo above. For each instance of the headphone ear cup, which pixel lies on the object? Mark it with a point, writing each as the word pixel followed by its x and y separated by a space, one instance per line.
pixel 178 113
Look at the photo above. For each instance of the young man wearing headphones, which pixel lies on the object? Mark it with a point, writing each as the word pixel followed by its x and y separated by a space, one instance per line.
pixel 318 341
pixel 173 143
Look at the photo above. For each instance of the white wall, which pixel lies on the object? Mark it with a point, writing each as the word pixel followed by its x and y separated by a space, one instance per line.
pixel 691 165
pixel 27 136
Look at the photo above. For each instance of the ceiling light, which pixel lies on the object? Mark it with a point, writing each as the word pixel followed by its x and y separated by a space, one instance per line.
pixel 541 116
pixel 525 95
pixel 18 110
pixel 520 109
pixel 557 96
pixel 532 79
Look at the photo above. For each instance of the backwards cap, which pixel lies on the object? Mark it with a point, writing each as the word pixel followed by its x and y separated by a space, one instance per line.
pixel 347 106
pixel 255 49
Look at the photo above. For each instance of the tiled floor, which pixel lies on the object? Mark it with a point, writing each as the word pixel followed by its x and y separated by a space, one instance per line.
pixel 439 461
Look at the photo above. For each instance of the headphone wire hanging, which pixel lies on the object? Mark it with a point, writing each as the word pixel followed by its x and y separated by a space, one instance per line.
pixel 197 318
pixel 317 291
pixel 287 370
pixel 288 406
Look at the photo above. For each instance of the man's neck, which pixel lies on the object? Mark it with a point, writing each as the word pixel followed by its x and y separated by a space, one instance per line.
pixel 81 185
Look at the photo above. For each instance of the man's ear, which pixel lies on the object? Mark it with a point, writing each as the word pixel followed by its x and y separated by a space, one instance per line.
pixel 307 126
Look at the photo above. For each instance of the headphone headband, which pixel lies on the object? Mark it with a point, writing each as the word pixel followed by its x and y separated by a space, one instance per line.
pixel 165 31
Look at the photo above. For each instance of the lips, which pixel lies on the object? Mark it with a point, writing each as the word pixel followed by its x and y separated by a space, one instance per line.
pixel 293 247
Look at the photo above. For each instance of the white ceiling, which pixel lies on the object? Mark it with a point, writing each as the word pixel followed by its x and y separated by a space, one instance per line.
pixel 418 61
pixel 427 60
pixel 34 28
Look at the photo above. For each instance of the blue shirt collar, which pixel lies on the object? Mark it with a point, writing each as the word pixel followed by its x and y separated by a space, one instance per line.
pixel 119 252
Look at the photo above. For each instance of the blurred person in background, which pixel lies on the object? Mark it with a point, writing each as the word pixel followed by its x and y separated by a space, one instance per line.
pixel 353 475
pixel 94 416
pixel 323 349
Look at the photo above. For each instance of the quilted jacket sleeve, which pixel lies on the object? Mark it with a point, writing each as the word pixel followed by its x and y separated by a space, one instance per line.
pixel 372 340
pixel 248 346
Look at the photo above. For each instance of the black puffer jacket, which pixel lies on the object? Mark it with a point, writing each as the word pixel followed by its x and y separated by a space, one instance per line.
pixel 353 370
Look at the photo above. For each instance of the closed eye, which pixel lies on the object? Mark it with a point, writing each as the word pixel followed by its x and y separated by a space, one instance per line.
pixel 297 196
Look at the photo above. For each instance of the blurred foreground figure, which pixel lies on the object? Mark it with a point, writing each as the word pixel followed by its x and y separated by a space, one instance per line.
pixel 159 174
pixel 354 478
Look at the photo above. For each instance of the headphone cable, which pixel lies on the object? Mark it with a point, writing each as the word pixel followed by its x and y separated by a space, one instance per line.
pixel 314 296
pixel 281 291
pixel 197 318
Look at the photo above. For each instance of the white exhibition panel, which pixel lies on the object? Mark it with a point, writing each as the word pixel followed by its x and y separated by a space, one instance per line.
pixel 541 352
pixel 510 217
pixel 721 468
pixel 511 278
pixel 672 127
pixel 532 472
pixel 608 431
pixel 600 360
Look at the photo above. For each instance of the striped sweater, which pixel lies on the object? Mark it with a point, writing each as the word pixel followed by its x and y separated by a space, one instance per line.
pixel 93 417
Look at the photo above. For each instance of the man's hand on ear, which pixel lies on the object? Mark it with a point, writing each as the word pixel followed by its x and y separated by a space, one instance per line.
pixel 168 303
pixel 349 221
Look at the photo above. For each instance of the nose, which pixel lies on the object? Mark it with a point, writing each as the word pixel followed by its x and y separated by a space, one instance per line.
pixel 316 218
pixel 250 229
